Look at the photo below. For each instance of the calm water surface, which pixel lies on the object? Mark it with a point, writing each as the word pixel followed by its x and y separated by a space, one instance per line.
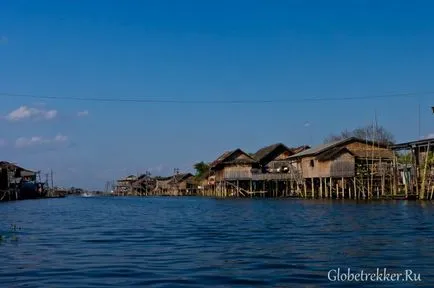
pixel 199 242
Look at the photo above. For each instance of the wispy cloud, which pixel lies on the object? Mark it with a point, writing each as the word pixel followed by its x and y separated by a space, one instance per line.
pixel 23 142
pixel 4 40
pixel 24 112
pixel 157 169
pixel 306 124
pixel 83 113
pixel 431 135
pixel 3 142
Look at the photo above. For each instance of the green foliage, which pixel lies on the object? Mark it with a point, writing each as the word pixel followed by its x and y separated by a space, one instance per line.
pixel 369 132
pixel 404 158
pixel 201 169
pixel 430 159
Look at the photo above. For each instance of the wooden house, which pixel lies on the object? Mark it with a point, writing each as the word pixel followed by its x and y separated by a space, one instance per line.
pixel 162 186
pixel 18 183
pixel 124 186
pixel 418 172
pixel 182 184
pixel 234 165
pixel 177 185
pixel 14 174
pixel 232 170
pixel 269 156
pixel 277 176
pixel 144 185
pixel 352 160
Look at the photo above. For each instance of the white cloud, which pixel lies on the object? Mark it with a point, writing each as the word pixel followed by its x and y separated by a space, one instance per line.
pixel 60 138
pixel 38 140
pixel 25 112
pixel 306 124
pixel 83 113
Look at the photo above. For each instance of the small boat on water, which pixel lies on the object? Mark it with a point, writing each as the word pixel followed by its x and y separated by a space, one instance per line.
pixel 86 194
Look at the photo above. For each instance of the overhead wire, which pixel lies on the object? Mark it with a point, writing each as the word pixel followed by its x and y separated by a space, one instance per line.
pixel 240 101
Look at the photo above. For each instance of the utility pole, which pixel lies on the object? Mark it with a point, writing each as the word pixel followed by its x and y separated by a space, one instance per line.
pixel 52 181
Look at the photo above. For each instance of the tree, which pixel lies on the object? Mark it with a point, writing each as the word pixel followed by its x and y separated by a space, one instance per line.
pixel 371 133
pixel 404 158
pixel 201 168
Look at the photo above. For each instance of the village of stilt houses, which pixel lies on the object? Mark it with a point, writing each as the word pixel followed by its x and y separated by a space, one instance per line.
pixel 350 168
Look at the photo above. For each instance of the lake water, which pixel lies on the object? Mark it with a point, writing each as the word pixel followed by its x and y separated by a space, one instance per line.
pixel 200 242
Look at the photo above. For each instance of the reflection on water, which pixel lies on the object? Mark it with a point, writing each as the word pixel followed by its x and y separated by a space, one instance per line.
pixel 197 242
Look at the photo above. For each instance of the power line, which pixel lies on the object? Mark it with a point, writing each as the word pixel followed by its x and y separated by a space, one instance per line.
pixel 261 101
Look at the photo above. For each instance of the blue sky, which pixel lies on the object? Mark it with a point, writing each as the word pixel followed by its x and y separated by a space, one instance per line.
pixel 202 50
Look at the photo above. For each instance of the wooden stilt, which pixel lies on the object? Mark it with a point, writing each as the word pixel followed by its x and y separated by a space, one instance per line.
pixel 312 187
pixel 320 188
pixel 343 187
pixel 355 188
pixel 337 190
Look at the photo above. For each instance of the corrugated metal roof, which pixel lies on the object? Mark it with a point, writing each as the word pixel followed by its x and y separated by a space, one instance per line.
pixel 423 142
pixel 319 148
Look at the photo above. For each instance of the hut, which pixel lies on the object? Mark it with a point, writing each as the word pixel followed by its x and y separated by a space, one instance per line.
pixel 17 182
pixel 270 155
pixel 277 176
pixel 144 185
pixel 231 172
pixel 162 186
pixel 350 168
pixel 182 184
pixel 124 186
pixel 416 168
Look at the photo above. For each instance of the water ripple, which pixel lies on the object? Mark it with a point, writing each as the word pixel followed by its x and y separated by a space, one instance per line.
pixel 195 242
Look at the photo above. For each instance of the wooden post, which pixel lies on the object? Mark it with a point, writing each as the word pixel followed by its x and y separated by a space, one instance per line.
pixel 320 187
pixel 305 188
pixel 263 188
pixel 343 188
pixel 286 188
pixel 425 166
pixel 251 188
pixel 355 188
pixel 331 188
pixel 337 190
pixel 276 185
pixel 313 188
pixel 395 175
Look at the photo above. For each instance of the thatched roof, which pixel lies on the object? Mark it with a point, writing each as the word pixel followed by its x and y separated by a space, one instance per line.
pixel 300 149
pixel 333 153
pixel 230 158
pixel 323 147
pixel 376 154
pixel 265 152
pixel 180 178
